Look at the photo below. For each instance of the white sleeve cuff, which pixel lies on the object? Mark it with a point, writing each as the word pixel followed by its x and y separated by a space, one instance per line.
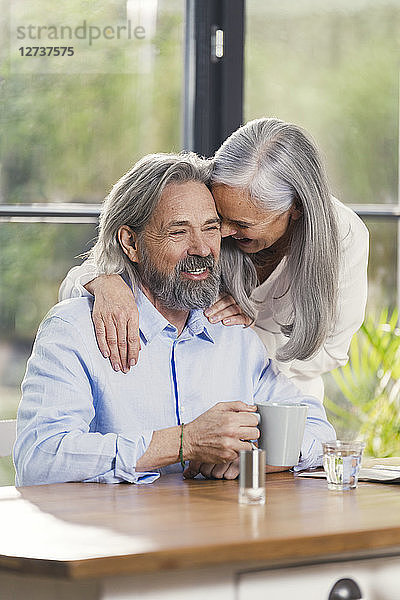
pixel 76 279
pixel 311 454
pixel 128 453
pixel 78 291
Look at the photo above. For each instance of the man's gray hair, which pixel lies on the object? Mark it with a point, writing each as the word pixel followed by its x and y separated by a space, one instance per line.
pixel 279 165
pixel 133 200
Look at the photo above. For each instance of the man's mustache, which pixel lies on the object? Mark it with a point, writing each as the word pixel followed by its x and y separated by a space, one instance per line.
pixel 190 263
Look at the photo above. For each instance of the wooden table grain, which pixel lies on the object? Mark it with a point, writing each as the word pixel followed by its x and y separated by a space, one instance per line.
pixel 79 530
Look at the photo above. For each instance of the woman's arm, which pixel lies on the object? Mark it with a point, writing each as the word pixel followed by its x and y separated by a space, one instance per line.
pixel 116 321
pixel 115 315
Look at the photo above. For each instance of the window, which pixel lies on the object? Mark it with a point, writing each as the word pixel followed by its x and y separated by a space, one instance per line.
pixel 70 131
pixel 68 134
pixel 332 67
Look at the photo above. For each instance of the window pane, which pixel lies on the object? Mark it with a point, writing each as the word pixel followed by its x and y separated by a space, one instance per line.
pixel 382 270
pixel 72 125
pixel 362 383
pixel 34 259
pixel 331 67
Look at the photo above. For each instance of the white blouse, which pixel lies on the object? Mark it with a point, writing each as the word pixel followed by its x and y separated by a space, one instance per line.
pixel 352 297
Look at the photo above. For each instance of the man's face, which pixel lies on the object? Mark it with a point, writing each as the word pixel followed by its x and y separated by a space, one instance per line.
pixel 179 248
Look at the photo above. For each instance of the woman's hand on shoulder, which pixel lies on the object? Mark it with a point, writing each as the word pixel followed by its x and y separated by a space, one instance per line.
pixel 228 311
pixel 116 321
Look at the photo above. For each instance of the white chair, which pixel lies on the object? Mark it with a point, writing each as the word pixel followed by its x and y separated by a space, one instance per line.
pixel 8 433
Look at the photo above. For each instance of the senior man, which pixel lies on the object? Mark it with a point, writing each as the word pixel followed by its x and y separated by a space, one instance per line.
pixel 191 397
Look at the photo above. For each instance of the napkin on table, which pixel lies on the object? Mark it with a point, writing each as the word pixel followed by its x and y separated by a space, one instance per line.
pixel 377 470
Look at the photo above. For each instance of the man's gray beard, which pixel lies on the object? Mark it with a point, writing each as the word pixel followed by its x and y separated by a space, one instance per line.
pixel 176 293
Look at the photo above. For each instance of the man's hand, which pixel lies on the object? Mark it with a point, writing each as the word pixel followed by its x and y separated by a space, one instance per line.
pixel 221 471
pixel 228 470
pixel 218 435
pixel 116 321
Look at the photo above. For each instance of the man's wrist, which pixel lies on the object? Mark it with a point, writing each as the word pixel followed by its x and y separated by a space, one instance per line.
pixel 187 445
pixel 181 458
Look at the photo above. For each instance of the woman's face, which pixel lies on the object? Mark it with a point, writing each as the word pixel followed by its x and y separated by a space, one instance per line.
pixel 252 228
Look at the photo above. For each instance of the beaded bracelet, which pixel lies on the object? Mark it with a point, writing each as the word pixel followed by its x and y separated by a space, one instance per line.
pixel 181 448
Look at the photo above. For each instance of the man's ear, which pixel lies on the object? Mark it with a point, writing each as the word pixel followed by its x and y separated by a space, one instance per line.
pixel 128 240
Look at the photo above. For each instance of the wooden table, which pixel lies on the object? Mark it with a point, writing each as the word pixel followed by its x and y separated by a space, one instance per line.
pixel 84 537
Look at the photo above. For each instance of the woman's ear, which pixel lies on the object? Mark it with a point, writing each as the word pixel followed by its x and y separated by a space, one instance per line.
pixel 128 240
pixel 296 210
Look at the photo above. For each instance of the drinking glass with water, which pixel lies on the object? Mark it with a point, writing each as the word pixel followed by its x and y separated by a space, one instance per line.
pixel 342 461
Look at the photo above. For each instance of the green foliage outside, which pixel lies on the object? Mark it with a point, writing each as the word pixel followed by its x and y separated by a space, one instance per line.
pixel 7 472
pixel 33 260
pixel 68 137
pixel 369 405
pixel 333 69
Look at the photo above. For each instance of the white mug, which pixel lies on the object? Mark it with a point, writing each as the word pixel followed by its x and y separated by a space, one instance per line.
pixel 281 431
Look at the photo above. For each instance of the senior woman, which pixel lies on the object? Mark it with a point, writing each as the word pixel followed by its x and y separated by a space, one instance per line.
pixel 303 258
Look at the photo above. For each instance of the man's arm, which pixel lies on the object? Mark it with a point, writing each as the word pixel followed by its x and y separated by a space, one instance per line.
pixel 54 441
pixel 215 436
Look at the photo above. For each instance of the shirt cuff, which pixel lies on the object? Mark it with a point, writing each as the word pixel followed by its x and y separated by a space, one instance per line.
pixel 311 454
pixel 78 291
pixel 128 453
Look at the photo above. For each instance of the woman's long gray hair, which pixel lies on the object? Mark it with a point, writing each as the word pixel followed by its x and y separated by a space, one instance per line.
pixel 133 200
pixel 280 167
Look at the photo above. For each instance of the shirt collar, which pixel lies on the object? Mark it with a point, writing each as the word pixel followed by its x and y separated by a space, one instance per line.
pixel 152 322
pixel 199 325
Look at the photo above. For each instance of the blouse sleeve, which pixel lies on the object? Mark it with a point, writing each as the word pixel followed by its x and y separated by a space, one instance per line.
pixel 352 298
pixel 76 279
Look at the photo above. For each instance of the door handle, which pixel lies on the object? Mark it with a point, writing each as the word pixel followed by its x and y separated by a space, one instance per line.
pixel 345 589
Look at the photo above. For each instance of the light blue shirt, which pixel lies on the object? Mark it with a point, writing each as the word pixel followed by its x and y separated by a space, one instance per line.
pixel 79 420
